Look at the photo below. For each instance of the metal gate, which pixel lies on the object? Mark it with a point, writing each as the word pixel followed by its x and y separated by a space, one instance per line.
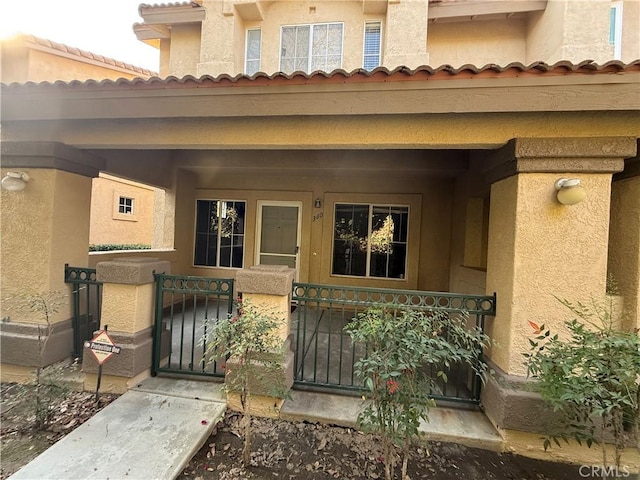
pixel 325 355
pixel 86 295
pixel 186 307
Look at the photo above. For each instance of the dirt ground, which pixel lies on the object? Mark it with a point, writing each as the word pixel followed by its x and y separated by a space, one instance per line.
pixel 305 451
pixel 20 442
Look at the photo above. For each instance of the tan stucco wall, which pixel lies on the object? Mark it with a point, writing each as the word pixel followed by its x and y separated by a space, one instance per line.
pixel 43 227
pixel 624 245
pixel 185 49
pixel 477 43
pixel 630 31
pixel 540 250
pixel 565 30
pixel 26 64
pixel 570 30
pixel 108 226
pixel 429 199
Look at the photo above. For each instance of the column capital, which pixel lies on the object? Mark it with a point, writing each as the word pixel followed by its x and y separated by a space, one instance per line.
pixel 53 155
pixel 131 270
pixel 557 155
pixel 266 280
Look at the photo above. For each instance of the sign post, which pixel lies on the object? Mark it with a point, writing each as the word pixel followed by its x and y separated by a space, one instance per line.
pixel 103 348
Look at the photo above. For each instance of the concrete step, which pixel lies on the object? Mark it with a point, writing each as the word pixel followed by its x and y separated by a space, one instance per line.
pixel 465 427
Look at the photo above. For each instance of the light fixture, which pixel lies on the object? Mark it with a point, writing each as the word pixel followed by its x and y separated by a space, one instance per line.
pixel 15 181
pixel 317 203
pixel 569 191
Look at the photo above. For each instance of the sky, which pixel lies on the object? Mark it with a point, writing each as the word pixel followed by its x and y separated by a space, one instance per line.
pixel 104 27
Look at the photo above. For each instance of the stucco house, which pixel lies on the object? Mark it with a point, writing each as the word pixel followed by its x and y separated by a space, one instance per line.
pixel 400 176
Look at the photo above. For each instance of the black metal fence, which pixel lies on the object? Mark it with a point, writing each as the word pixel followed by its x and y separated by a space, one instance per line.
pixel 185 307
pixel 325 355
pixel 86 297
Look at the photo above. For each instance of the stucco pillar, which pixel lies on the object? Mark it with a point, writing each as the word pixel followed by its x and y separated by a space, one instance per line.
pixel 128 311
pixel 221 37
pixel 268 289
pixel 540 251
pixel 405 39
pixel 624 244
pixel 44 226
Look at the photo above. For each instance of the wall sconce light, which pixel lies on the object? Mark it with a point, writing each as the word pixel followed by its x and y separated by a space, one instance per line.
pixel 317 203
pixel 569 191
pixel 15 181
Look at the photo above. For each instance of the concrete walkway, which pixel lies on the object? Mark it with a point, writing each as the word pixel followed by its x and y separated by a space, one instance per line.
pixel 148 433
pixel 152 432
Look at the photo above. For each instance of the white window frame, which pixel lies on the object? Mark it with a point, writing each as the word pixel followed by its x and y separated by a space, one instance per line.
pixel 364 43
pixel 310 46
pixel 246 51
pixel 617 30
pixel 125 208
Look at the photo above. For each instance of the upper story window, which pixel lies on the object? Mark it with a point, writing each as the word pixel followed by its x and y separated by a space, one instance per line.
pixel 615 29
pixel 311 47
pixel 219 238
pixel 370 240
pixel 252 55
pixel 372 45
pixel 125 205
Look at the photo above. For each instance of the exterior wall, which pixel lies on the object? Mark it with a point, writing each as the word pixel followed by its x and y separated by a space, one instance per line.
pixel 477 42
pixel 22 62
pixel 624 246
pixel 224 31
pixel 630 31
pixel 566 30
pixel 429 199
pixel 109 226
pixel 185 50
pixel 572 31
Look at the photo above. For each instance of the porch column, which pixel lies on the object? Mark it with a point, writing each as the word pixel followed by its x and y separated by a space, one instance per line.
pixel 44 226
pixel 128 311
pixel 540 251
pixel 268 288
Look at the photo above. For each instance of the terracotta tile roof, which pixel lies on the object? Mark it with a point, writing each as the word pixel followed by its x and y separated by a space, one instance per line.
pixel 76 52
pixel 380 74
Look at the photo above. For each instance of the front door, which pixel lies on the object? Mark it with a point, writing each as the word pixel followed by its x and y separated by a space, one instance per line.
pixel 278 234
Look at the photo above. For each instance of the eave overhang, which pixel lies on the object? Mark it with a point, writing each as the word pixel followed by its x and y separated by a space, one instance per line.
pixel 465 10
pixel 562 87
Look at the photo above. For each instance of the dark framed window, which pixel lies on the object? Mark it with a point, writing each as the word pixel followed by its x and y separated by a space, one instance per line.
pixel 370 240
pixel 125 205
pixel 219 240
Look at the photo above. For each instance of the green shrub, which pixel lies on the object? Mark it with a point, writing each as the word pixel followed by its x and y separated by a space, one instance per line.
pixel 591 378
pixel 402 348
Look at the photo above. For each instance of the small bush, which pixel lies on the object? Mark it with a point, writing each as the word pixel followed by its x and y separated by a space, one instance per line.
pixel 108 247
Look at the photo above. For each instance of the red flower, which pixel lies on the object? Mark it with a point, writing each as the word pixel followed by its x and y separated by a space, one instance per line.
pixel 392 386
pixel 203 422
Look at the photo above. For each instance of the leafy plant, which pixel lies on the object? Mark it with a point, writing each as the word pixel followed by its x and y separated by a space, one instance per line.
pixel 591 378
pixel 254 354
pixel 48 388
pixel 403 347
